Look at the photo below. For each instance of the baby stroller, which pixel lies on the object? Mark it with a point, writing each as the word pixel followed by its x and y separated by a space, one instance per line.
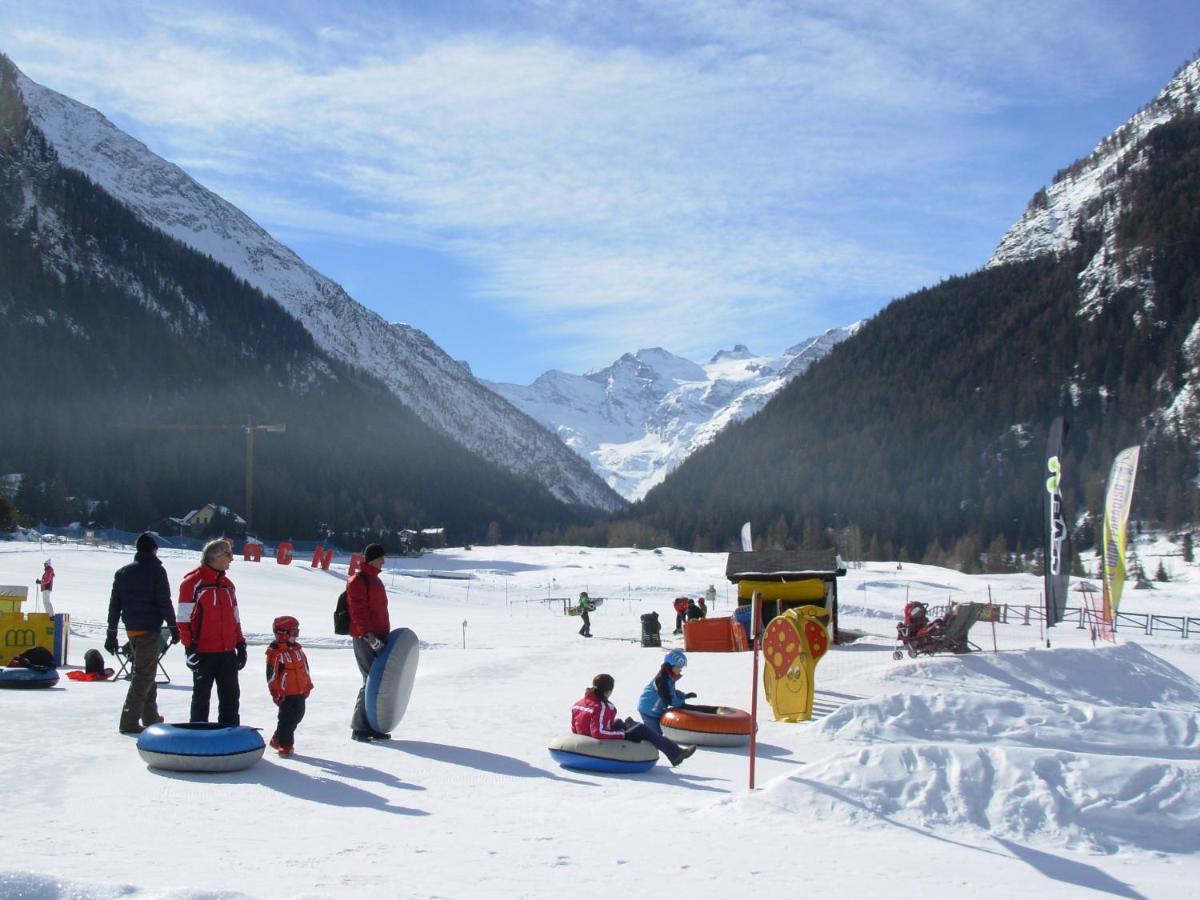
pixel 921 636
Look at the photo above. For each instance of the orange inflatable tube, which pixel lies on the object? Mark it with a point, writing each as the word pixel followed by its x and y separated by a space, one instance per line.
pixel 707 726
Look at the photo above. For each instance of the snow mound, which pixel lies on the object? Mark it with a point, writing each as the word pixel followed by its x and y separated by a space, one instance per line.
pixel 1082 748
pixel 1124 675
pixel 1058 798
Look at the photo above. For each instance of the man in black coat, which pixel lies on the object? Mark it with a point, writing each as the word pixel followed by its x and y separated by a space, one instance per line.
pixel 141 598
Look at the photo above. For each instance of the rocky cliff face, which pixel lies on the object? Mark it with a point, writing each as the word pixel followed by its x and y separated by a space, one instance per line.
pixel 1088 197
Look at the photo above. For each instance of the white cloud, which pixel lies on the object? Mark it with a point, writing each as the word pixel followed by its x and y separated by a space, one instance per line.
pixel 712 161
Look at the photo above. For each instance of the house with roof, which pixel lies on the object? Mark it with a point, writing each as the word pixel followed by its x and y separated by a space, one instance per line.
pixel 196 522
pixel 786 579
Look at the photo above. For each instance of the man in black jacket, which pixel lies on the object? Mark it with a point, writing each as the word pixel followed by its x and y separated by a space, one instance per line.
pixel 141 597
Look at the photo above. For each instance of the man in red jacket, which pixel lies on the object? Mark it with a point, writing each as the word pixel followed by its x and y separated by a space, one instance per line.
pixel 211 630
pixel 367 602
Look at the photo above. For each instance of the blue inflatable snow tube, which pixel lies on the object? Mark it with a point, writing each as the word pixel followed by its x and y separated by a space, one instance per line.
pixel 200 747
pixel 579 751
pixel 390 681
pixel 21 678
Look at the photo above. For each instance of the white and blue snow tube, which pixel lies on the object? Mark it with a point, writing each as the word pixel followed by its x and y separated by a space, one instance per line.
pixel 21 678
pixel 390 681
pixel 580 751
pixel 200 747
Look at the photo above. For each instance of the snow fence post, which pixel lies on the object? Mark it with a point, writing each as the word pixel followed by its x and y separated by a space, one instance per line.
pixel 755 604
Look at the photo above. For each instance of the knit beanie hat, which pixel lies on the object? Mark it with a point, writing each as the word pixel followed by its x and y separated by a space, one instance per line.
pixel 373 551
pixel 146 543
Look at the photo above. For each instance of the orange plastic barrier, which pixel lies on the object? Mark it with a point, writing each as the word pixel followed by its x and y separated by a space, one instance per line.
pixel 708 635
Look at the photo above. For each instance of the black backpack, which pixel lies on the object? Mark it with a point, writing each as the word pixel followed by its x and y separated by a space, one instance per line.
pixel 93 662
pixel 341 613
pixel 37 658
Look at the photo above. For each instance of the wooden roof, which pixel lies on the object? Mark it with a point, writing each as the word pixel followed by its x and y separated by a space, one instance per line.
pixel 782 565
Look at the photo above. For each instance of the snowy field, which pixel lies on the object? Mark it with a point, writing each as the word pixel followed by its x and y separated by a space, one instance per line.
pixel 1069 772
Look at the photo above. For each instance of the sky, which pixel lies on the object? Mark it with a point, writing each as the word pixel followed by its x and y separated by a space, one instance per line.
pixel 552 184
pixel 1069 772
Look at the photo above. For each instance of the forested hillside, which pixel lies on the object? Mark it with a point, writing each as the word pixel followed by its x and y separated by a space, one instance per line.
pixel 107 322
pixel 923 435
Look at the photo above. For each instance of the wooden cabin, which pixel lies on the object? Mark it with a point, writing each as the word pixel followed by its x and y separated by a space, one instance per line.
pixel 786 579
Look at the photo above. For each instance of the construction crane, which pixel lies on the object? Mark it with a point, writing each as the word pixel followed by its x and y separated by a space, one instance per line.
pixel 249 428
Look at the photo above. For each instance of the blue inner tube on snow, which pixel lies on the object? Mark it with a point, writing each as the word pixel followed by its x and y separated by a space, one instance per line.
pixel 28 678
pixel 390 681
pixel 200 747
pixel 579 751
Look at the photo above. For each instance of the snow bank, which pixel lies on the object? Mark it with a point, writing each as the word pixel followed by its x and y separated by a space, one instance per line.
pixel 1085 748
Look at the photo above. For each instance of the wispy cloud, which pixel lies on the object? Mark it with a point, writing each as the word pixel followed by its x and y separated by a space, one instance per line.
pixel 715 163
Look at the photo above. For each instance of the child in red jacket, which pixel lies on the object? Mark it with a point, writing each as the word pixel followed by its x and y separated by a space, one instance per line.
pixel 288 680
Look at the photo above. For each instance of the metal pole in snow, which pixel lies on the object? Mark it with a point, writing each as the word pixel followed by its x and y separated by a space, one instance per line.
pixel 755 600
pixel 464 634
pixel 992 615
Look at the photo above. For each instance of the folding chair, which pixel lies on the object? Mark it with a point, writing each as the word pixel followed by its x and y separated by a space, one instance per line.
pixel 125 658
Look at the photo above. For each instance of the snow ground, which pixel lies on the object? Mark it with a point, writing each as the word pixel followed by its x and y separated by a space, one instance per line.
pixel 1068 772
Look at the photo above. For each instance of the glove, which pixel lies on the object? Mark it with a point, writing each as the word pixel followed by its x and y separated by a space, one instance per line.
pixel 278 698
pixel 240 649
pixel 193 659
pixel 110 643
pixel 373 642
pixel 174 629
pixel 689 695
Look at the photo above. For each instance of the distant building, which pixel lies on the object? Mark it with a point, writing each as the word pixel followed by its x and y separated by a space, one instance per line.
pixel 197 521
pixel 787 579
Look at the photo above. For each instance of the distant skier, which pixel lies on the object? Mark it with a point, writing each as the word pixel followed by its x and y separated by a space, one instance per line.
pixel 46 583
pixel 585 606
pixel 710 597
pixel 680 605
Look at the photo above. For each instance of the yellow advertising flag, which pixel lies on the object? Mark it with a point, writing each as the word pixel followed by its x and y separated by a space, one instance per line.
pixel 1117 501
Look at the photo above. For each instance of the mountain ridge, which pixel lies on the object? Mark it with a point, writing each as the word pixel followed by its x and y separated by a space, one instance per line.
pixel 439 389
pixel 640 417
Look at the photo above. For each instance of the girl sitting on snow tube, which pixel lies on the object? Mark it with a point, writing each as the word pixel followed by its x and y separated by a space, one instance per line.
pixel 595 716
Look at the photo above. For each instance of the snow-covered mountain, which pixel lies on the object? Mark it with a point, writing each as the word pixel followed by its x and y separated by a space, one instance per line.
pixel 1088 196
pixel 640 417
pixel 439 389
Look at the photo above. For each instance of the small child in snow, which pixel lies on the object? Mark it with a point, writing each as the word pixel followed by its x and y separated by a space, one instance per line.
pixel 660 694
pixel 288 680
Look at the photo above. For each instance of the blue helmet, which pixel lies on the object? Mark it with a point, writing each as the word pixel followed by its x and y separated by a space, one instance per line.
pixel 676 658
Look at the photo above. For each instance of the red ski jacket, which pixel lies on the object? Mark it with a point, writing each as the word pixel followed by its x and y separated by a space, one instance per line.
pixel 46 582
pixel 287 671
pixel 368 604
pixel 596 718
pixel 207 614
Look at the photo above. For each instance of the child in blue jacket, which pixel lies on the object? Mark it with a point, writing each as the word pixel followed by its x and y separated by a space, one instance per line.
pixel 660 694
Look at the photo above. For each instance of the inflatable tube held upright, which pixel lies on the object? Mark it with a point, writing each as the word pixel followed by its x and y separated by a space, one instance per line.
pixel 390 681
pixel 24 679
pixel 581 751
pixel 200 747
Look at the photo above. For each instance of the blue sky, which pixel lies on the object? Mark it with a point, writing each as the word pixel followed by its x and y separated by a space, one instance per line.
pixel 551 184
